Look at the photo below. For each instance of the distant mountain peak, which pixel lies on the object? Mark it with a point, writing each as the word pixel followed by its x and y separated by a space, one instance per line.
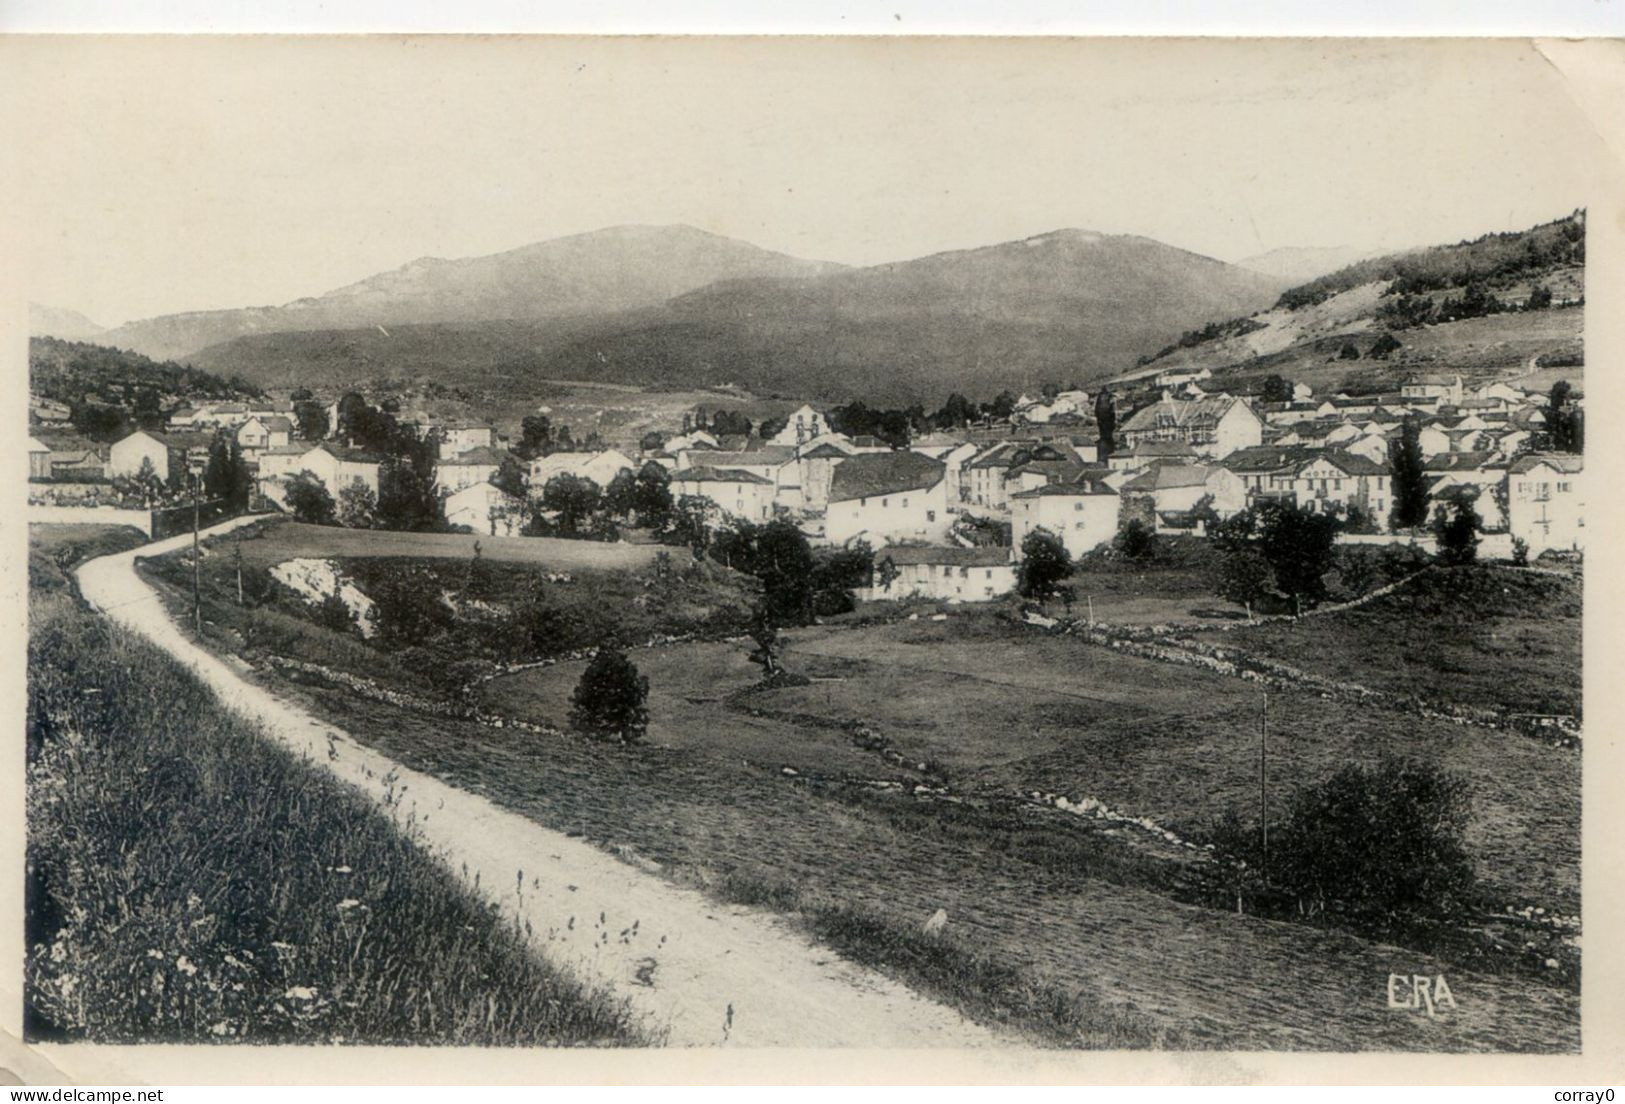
pixel 48 321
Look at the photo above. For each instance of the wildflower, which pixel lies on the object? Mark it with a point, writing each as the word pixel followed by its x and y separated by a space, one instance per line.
pixel 154 952
pixel 349 903
pixel 221 1028
pixel 300 992
pixel 59 952
pixel 184 965
pixel 1551 963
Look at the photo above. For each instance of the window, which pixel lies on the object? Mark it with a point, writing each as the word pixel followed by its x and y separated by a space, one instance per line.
pixel 1563 488
pixel 990 575
pixel 885 502
pixel 930 515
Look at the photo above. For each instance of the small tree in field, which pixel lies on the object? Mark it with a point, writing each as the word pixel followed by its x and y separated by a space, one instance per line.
pixel 1044 563
pixel 1300 546
pixel 1244 577
pixel 610 700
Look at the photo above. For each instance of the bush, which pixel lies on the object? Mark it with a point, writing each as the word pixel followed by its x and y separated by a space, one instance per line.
pixel 610 700
pixel 1137 541
pixel 309 501
pixel 1384 840
pixel 332 613
pixel 1456 527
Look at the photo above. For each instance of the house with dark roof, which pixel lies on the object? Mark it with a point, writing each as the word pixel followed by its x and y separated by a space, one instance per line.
pixel 887 498
pixel 735 493
pixel 1324 480
pixel 941 572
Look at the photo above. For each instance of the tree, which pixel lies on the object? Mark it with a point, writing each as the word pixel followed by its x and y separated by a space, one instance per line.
pixel 352 408
pixel 1456 527
pixel 511 477
pixel 1106 422
pixel 620 498
pixel 730 423
pixel 784 563
pixel 1277 389
pixel 886 573
pixel 1349 351
pixel 148 485
pixel 1387 840
pixel 1409 473
pixel 651 496
pixel 610 701
pixel 535 437
pixel 358 506
pixel 955 413
pixel 312 419
pixel 1003 405
pixel 1137 540
pixel 1300 547
pixel 838 573
pixel 332 613
pixel 1564 428
pixel 1386 346
pixel 408 603
pixel 689 525
pixel 226 476
pixel 573 498
pixel 1244 577
pixel 1540 297
pixel 1044 564
pixel 409 498
pixel 653 441
pixel 308 498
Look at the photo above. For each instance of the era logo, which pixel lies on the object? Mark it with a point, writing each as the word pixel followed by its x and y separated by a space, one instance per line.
pixel 1420 991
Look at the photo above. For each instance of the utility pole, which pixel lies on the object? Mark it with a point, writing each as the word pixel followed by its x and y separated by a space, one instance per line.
pixel 1263 786
pixel 197 591
pixel 237 554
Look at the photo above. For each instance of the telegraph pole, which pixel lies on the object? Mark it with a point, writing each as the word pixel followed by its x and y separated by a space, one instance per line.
pixel 1264 786
pixel 238 556
pixel 197 592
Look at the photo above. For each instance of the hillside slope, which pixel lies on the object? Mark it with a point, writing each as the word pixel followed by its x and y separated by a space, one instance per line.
pixel 1473 307
pixel 1069 306
pixel 619 268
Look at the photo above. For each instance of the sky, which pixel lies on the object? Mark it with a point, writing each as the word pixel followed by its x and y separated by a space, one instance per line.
pixel 158 176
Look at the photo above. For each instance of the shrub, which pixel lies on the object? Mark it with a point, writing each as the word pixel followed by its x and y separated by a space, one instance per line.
pixel 1520 552
pixel 1137 540
pixel 332 613
pixel 1385 840
pixel 1456 528
pixel 611 699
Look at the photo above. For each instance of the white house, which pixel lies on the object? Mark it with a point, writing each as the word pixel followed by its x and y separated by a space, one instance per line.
pixel 39 460
pixel 738 494
pixel 485 509
pixel 954 455
pixel 1477 474
pixel 459 437
pixel 1435 386
pixel 1082 514
pixel 467 469
pixel 1215 425
pixel 1176 489
pixel 817 471
pixel 125 457
pixel 944 573
pixel 600 467
pixel 801 426
pixel 1546 502
pixel 336 466
pixel 269 431
pixel 886 498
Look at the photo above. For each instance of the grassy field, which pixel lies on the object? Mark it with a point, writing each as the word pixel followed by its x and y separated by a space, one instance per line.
pixel 994 707
pixel 1483 636
pixel 1078 936
pixel 190 882
pixel 280 540
pixel 1076 932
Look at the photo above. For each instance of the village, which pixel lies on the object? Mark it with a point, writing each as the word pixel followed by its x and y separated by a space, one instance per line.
pixel 949 507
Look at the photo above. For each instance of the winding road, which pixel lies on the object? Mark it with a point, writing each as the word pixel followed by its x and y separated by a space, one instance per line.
pixel 697 973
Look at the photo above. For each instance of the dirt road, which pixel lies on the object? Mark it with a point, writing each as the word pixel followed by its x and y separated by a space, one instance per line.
pixel 705 974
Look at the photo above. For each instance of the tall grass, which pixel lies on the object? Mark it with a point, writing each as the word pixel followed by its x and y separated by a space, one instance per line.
pixel 190 881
